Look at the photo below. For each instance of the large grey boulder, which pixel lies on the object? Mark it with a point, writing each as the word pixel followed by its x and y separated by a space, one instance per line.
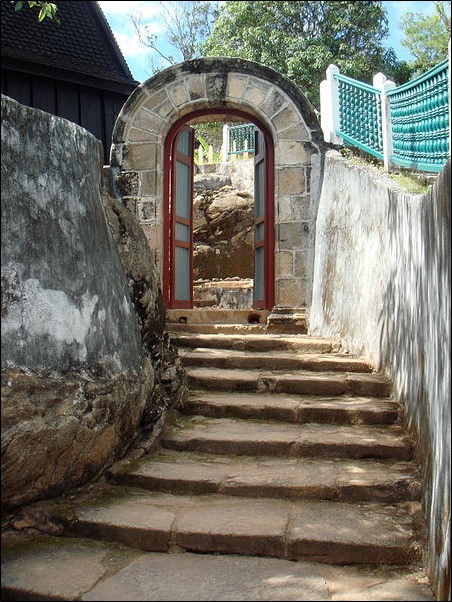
pixel 86 366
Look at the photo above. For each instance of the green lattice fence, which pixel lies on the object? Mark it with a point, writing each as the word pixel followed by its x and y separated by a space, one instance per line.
pixel 241 139
pixel 360 115
pixel 406 126
pixel 420 121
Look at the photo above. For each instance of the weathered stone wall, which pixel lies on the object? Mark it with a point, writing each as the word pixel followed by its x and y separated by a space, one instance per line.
pixel 79 369
pixel 382 286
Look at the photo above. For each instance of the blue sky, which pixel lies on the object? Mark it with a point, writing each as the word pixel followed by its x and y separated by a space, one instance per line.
pixel 137 56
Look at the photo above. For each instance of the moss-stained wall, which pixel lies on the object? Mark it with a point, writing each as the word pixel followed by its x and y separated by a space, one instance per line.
pixel 382 286
pixel 65 303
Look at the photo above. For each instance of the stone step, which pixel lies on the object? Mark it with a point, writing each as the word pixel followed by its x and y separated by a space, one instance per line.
pixel 242 329
pixel 211 316
pixel 256 342
pixel 300 382
pixel 271 360
pixel 229 436
pixel 80 569
pixel 293 408
pixel 271 477
pixel 330 532
pixel 287 450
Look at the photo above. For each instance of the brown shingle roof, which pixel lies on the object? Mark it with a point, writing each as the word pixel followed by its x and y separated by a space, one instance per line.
pixel 82 42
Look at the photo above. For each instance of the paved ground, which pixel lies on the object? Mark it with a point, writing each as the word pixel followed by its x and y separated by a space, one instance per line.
pixel 71 569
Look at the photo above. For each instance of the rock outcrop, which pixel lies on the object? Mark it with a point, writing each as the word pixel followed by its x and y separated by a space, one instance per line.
pixel 86 366
pixel 222 229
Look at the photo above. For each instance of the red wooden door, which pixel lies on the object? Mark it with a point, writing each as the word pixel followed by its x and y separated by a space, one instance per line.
pixel 181 217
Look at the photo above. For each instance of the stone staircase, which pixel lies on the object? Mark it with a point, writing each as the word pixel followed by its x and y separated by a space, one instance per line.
pixel 286 450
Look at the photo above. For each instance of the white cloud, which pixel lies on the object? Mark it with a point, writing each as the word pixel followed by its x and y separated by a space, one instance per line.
pixel 118 15
pixel 129 44
pixel 118 9
pixel 413 6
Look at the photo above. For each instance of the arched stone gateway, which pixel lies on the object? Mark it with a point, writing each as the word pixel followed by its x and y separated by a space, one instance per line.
pixel 294 144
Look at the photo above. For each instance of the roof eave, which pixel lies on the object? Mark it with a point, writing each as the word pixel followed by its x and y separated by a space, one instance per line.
pixel 74 77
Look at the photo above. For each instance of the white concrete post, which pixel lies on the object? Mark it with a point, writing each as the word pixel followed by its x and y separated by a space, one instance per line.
pixel 329 106
pixel 210 154
pixel 225 147
pixel 381 82
pixel 200 155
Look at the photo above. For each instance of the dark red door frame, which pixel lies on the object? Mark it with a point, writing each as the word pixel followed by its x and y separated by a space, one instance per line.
pixel 269 200
pixel 180 157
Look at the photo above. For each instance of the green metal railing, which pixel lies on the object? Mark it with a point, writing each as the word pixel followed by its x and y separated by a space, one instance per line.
pixel 417 127
pixel 420 121
pixel 241 139
pixel 360 115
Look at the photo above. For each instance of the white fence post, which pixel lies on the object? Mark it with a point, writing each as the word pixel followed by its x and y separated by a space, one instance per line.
pixel 225 147
pixel 200 155
pixel 329 106
pixel 381 82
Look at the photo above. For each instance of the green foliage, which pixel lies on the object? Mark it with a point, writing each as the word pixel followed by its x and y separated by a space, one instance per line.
pixel 427 37
pixel 397 71
pixel 210 134
pixel 300 39
pixel 47 10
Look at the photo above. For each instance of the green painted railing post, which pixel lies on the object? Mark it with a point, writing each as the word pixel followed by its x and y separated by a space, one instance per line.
pixel 384 84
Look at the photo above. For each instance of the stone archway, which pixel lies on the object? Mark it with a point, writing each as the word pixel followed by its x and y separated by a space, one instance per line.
pixel 140 132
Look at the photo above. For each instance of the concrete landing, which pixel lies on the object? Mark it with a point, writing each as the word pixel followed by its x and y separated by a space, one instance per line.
pixel 49 568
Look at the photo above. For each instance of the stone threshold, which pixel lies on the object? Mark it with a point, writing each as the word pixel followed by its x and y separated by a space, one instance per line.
pixel 289 320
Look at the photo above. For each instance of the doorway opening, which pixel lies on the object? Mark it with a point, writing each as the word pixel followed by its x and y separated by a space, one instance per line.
pixel 219 215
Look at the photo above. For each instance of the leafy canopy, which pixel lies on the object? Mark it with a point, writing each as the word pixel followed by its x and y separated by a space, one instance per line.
pixel 300 39
pixel 47 10
pixel 427 37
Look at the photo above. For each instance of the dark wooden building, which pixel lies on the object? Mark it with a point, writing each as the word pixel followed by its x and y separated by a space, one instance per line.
pixel 73 69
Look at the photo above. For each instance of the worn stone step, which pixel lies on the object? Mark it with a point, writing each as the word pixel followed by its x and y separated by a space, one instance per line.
pixel 331 532
pixel 305 382
pixel 242 329
pixel 289 478
pixel 216 317
pixel 253 437
pixel 80 569
pixel 293 408
pixel 256 342
pixel 272 360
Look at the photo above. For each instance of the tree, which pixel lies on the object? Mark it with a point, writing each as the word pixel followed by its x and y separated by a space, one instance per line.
pixel 427 37
pixel 300 39
pixel 47 10
pixel 186 25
